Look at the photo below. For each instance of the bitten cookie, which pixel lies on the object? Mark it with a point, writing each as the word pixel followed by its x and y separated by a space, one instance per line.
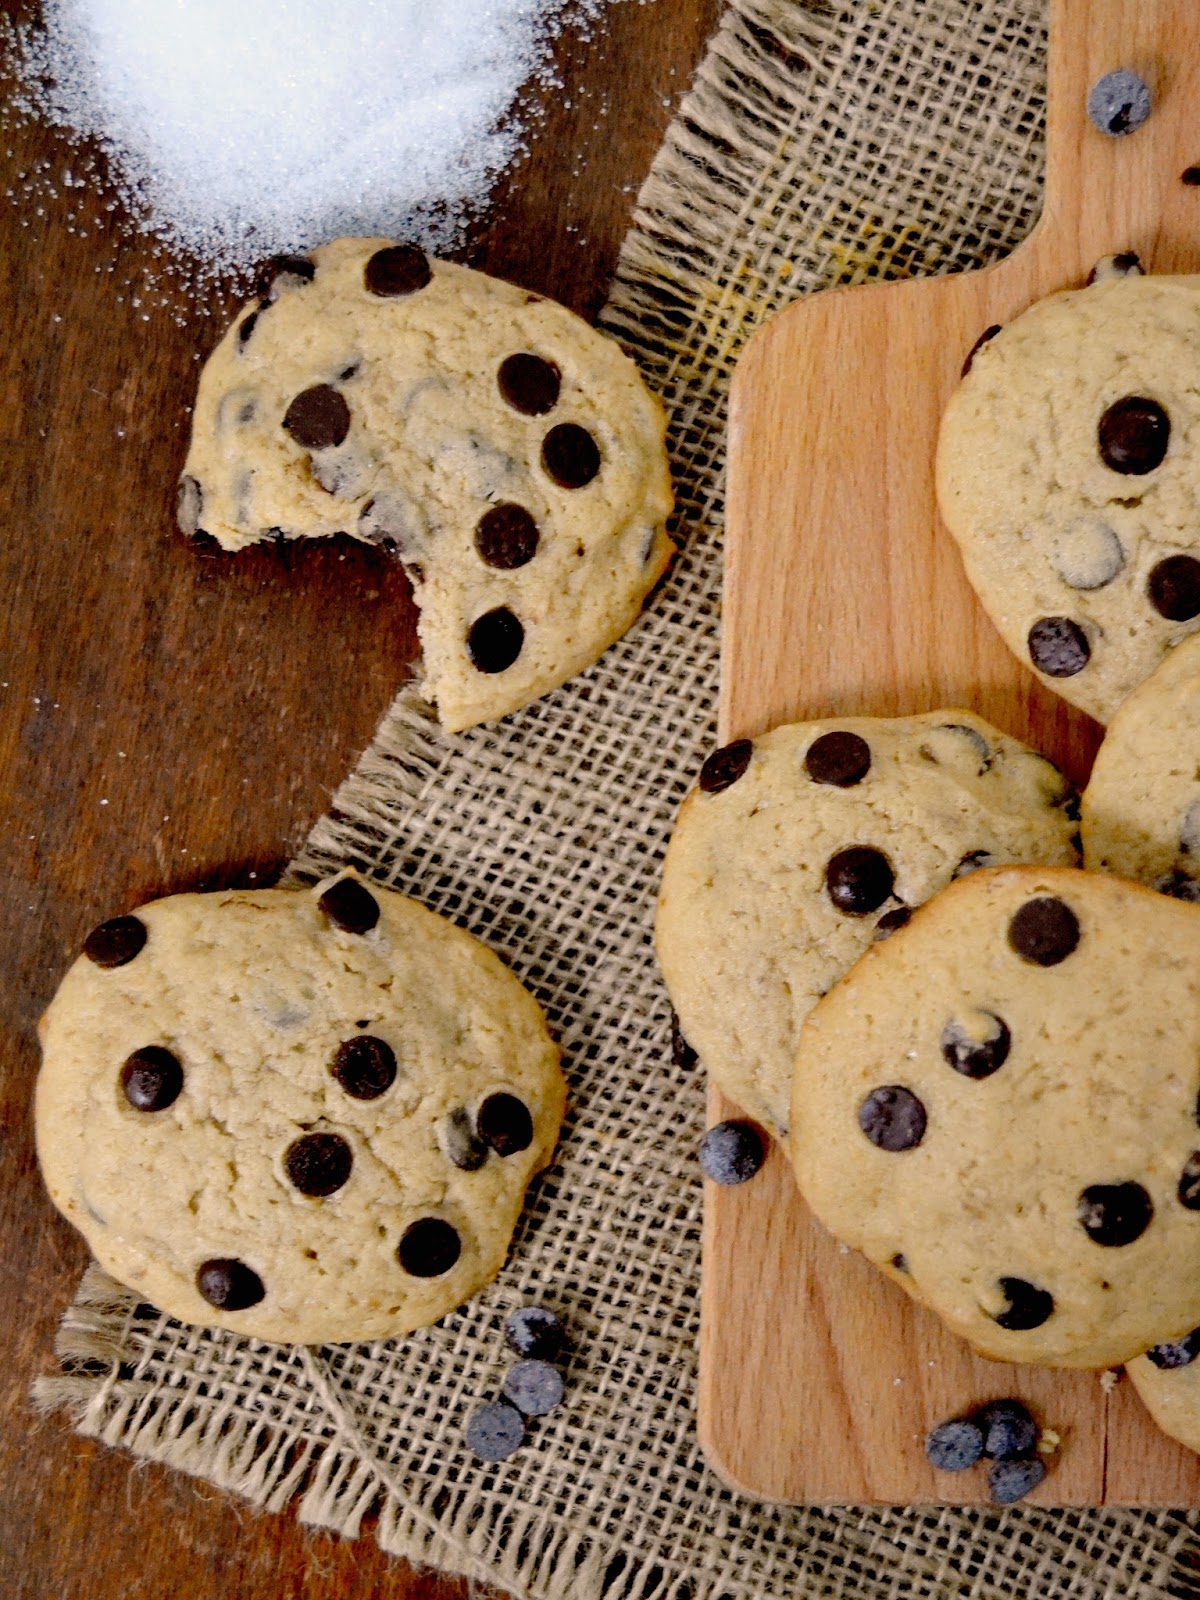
pixel 509 454
pixel 1066 473
pixel 794 852
pixel 308 1116
pixel 999 1107
pixel 1141 810
pixel 1168 1380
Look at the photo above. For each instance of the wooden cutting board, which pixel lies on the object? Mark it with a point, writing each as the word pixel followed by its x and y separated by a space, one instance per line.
pixel 843 595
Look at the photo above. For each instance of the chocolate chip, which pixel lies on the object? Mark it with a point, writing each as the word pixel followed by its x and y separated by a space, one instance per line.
pixel 319 1163
pixel 725 766
pixel 977 1051
pixel 890 921
pixel 953 1446
pixel 495 1431
pixel 1010 1481
pixel 189 506
pixel 1028 1307
pixel 429 1248
pixel 228 1284
pixel 398 269
pixel 534 1387
pixel 298 267
pixel 1125 264
pixel 246 327
pixel 840 758
pixel 318 418
pixel 732 1152
pixel 504 1123
pixel 152 1078
pixel 1176 1353
pixel 682 1054
pixel 1009 1429
pixel 494 640
pixel 533 1331
pixel 506 536
pixel 350 905
pixel 1133 435
pixel 1044 931
pixel 893 1118
pixel 1191 177
pixel 1114 1214
pixel 1189 1183
pixel 570 456
pixel 529 384
pixel 900 1262
pixel 461 1143
pixel 987 335
pixel 1180 885
pixel 859 880
pixel 1058 647
pixel 1174 588
pixel 364 1066
pixel 1119 102
pixel 115 943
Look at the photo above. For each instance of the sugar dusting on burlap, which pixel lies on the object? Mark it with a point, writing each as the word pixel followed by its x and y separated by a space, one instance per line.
pixel 821 144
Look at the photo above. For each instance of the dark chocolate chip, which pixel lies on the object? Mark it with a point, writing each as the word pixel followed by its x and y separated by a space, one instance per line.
pixel 859 880
pixel 1191 177
pixel 987 335
pixel 506 536
pixel 1180 885
pixel 570 456
pixel 247 326
pixel 504 1123
pixel 1044 931
pixel 1058 647
pixel 1010 1481
pixel 398 269
pixel 318 418
pixel 461 1143
pixel 364 1066
pixel 495 1431
pixel 953 1446
pixel 725 766
pixel 1115 1213
pixel 1189 1183
pixel 1028 1306
pixel 535 1332
pixel 900 1261
pixel 152 1078
pixel 841 759
pixel 279 267
pixel 189 506
pixel 319 1163
pixel 682 1054
pixel 1174 588
pixel 1133 435
pixel 116 942
pixel 890 921
pixel 529 383
pixel 972 1056
pixel 429 1248
pixel 534 1387
pixel 1176 1353
pixel 350 905
pixel 732 1152
pixel 1126 264
pixel 228 1284
pixel 893 1118
pixel 1009 1429
pixel 494 640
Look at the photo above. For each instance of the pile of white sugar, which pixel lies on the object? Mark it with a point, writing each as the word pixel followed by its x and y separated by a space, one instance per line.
pixel 239 129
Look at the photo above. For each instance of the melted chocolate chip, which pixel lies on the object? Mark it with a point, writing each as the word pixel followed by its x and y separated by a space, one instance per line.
pixel 987 335
pixel 1115 1213
pixel 282 266
pixel 506 536
pixel 189 506
pixel 1133 435
pixel 682 1054
pixel 1044 931
pixel 841 759
pixel 494 640
pixel 529 384
pixel 725 766
pixel 461 1143
pixel 364 1066
pixel 890 921
pixel 504 1123
pixel 429 1248
pixel 318 418
pixel 975 1056
pixel 398 269
pixel 1189 1183
pixel 859 880
pixel 247 326
pixel 318 1164
pixel 893 1118
pixel 1028 1306
pixel 228 1284
pixel 1058 647
pixel 350 905
pixel 570 456
pixel 152 1078
pixel 1174 588
pixel 116 942
pixel 1176 1353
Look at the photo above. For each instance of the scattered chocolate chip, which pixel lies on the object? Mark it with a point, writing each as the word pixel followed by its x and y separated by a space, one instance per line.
pixel 495 1431
pixel 1133 435
pixel 984 338
pixel 318 1164
pixel 318 418
pixel 533 1331
pixel 534 1387
pixel 1189 1183
pixel 506 537
pixel 1028 1306
pixel 1180 885
pixel 152 1078
pixel 1009 1430
pixel 364 1066
pixel 732 1152
pixel 1044 931
pixel 116 942
pixel 350 905
pixel 841 759
pixel 1191 177
pixel 429 1248
pixel 246 327
pixel 570 456
pixel 977 1051
pixel 900 1262
pixel 890 921
pixel 229 1285
pixel 398 269
pixel 893 1118
pixel 859 880
pixel 725 766
pixel 494 640
pixel 461 1143
pixel 298 267
pixel 1058 647
pixel 1174 588
pixel 1119 102
pixel 954 1446
pixel 682 1054
pixel 189 506
pixel 973 861
pixel 1010 1481
pixel 504 1123
pixel 1176 1353
pixel 529 384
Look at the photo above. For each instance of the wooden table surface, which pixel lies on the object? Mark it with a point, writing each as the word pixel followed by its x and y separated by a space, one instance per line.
pixel 173 720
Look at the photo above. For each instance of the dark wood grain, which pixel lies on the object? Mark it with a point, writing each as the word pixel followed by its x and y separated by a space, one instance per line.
pixel 172 720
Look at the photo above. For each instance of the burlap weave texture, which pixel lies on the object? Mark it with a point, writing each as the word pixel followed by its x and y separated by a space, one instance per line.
pixel 821 144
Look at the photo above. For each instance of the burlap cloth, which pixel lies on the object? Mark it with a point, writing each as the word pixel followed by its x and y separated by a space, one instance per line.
pixel 821 144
